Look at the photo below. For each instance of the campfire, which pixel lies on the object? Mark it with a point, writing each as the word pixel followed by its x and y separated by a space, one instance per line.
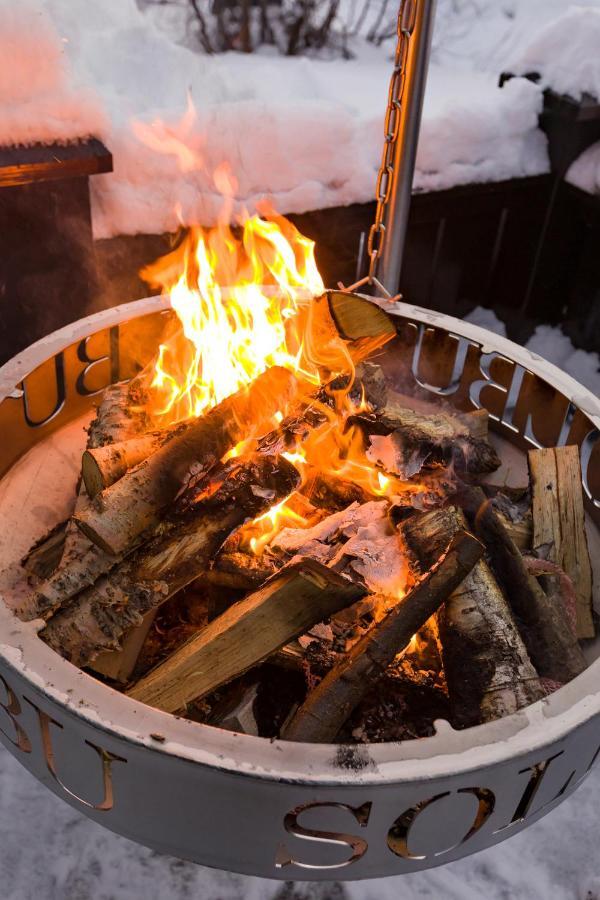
pixel 270 537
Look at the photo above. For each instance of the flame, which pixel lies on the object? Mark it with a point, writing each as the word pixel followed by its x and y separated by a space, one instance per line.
pixel 237 300
pixel 241 297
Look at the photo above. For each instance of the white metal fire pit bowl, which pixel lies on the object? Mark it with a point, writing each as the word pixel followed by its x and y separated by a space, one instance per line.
pixel 247 804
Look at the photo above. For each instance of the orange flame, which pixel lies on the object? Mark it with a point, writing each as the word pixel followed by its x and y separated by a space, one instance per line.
pixel 242 300
pixel 237 300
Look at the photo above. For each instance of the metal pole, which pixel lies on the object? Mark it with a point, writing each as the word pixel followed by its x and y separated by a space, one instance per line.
pixel 405 151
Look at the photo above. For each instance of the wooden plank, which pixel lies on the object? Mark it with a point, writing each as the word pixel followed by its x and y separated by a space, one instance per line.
pixel 49 162
pixel 559 523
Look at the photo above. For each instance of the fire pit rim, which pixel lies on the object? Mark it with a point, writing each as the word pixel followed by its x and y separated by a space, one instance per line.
pixel 446 753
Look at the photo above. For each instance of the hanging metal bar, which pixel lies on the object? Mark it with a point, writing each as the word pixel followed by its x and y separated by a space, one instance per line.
pixel 417 22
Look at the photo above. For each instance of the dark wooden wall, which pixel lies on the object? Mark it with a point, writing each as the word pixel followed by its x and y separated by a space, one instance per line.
pixel 493 245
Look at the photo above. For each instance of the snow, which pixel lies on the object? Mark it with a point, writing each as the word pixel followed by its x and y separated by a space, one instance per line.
pixel 584 173
pixel 50 851
pixel 565 52
pixel 307 132
pixel 37 99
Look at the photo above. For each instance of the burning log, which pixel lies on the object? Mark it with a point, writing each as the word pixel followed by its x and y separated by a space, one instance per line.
pixel 328 491
pixel 132 505
pixel 179 552
pixel 488 671
pixel 246 634
pixel 553 649
pixel 329 705
pixel 358 541
pixel 559 523
pixel 105 464
pixel 403 440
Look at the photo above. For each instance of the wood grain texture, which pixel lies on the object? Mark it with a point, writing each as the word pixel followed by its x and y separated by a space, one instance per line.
pixel 552 647
pixel 247 633
pixel 330 704
pixel 488 670
pixel 180 550
pixel 559 523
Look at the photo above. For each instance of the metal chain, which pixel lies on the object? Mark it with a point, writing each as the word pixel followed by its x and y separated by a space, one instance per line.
pixel 407 15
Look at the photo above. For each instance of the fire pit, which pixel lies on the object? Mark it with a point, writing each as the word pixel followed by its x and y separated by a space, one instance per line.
pixel 274 808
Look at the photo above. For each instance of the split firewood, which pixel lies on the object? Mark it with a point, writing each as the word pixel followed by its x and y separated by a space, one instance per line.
pixel 552 648
pixel 488 671
pixel 239 716
pixel 404 440
pixel 246 634
pixel 559 523
pixel 180 551
pixel 370 384
pixel 330 704
pixel 134 503
pixel 118 665
pixel 357 318
pixel 513 508
pixel 45 555
pixel 82 562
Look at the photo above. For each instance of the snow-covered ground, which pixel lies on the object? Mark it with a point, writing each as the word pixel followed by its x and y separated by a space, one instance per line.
pixel 307 132
pixel 48 851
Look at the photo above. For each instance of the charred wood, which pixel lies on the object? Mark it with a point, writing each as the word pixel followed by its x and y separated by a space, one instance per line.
pixel 403 440
pixel 327 708
pixel 179 552
pixel 133 504
pixel 552 648
pixel 488 671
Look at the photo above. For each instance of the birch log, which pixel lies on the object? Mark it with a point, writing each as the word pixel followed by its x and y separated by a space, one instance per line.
pixel 488 671
pixel 82 562
pixel 552 647
pixel 559 523
pixel 134 503
pixel 179 552
pixel 330 704
pixel 102 466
